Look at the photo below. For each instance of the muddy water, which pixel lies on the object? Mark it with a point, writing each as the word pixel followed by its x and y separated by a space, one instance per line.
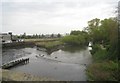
pixel 65 64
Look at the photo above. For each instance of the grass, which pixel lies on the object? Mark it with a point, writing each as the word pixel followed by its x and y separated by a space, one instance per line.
pixel 102 68
pixel 49 45
pixel 100 55
pixel 41 40
pixel 103 71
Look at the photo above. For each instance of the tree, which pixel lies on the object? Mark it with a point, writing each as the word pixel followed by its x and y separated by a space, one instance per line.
pixel 43 35
pixel 75 32
pixel 24 35
pixel 111 27
pixel 105 32
pixel 52 35
pixel 58 35
pixel 77 38
pixel 93 29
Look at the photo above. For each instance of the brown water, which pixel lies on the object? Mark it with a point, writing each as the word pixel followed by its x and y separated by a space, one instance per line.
pixel 65 64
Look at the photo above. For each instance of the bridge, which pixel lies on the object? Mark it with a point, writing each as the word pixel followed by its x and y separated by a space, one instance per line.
pixel 14 63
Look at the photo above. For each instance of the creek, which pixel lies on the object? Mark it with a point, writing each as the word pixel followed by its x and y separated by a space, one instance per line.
pixel 66 64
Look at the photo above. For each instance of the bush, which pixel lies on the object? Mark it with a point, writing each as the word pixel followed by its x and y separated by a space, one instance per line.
pixel 103 71
pixel 100 55
pixel 95 48
pixel 74 40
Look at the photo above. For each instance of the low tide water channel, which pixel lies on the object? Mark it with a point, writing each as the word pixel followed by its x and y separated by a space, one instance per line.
pixel 66 64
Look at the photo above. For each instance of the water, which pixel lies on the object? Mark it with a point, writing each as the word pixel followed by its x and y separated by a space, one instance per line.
pixel 65 64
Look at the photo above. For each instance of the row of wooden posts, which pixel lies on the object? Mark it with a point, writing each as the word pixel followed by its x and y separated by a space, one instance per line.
pixel 14 63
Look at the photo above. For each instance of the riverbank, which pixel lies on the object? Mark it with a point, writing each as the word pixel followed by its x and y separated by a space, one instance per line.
pixel 102 68
pixel 103 71
pixel 17 45
pixel 49 44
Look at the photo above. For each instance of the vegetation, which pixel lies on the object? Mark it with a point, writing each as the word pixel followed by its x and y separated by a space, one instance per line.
pixel 76 38
pixel 103 71
pixel 42 40
pixel 49 45
pixel 104 35
pixel 39 36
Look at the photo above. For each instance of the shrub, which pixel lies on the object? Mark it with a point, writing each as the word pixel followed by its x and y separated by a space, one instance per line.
pixel 74 40
pixel 100 55
pixel 103 71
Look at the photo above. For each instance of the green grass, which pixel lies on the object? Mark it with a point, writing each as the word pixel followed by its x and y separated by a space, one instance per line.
pixel 50 44
pixel 41 40
pixel 46 43
pixel 103 71
pixel 102 68
pixel 100 55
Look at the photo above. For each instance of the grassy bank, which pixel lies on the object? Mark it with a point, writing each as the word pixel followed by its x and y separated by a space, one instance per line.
pixel 46 43
pixel 41 40
pixel 103 71
pixel 49 44
pixel 103 68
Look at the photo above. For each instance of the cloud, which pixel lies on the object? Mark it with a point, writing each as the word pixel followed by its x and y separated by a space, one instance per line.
pixel 52 16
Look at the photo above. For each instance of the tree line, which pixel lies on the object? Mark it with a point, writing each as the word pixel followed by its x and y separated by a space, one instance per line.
pixel 37 36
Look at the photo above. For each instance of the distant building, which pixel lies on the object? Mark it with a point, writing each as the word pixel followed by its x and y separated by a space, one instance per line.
pixel 47 36
pixel 51 35
pixel 7 38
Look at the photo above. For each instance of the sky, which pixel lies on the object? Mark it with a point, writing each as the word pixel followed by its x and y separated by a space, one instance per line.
pixel 52 16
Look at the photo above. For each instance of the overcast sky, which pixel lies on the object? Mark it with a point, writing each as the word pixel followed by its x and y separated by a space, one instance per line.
pixel 52 16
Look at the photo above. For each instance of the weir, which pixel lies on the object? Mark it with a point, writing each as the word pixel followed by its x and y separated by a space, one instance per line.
pixel 14 63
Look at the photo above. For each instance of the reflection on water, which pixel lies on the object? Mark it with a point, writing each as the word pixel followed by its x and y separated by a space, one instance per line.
pixel 73 49
pixel 64 64
pixel 80 56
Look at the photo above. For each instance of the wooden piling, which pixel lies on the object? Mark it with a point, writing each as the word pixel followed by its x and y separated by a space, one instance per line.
pixel 14 63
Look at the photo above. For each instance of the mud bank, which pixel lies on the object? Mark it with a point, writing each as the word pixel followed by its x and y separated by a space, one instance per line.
pixel 17 45
pixel 49 50
pixel 8 75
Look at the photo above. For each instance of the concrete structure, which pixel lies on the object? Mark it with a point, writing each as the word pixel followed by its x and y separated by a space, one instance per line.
pixel 6 38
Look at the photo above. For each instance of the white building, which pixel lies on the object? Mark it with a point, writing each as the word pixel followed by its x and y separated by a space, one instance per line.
pixel 6 38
